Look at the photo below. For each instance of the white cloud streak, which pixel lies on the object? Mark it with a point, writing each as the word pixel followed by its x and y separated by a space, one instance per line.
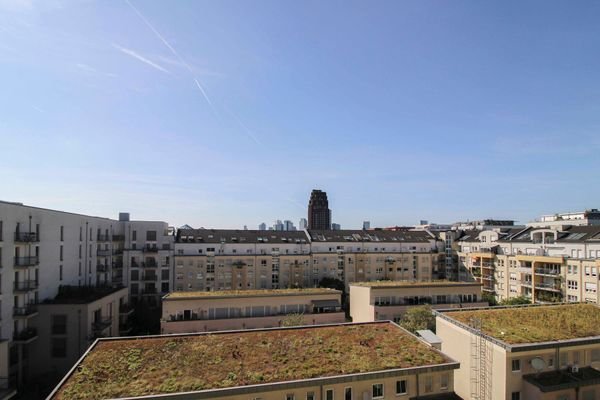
pixel 141 58
pixel 175 53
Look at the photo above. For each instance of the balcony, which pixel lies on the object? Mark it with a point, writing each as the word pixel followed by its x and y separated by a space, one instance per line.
pixel 117 252
pixel 25 336
pixel 26 237
pixel 103 238
pixel 149 291
pixel 24 262
pixel 125 329
pixel 118 265
pixel 29 310
pixel 101 268
pixel 117 279
pixel 118 238
pixel 548 286
pixel 125 309
pixel 103 252
pixel 549 272
pixel 150 248
pixel 149 277
pixel 101 324
pixel 149 264
pixel 25 286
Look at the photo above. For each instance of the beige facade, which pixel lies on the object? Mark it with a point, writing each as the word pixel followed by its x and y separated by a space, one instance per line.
pixel 389 300
pixel 491 369
pixel 185 312
pixel 284 367
pixel 210 259
pixel 69 323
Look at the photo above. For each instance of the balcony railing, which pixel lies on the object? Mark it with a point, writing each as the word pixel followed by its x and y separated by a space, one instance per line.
pixel 25 335
pixel 548 286
pixel 125 328
pixel 544 271
pixel 26 311
pixel 102 323
pixel 101 268
pixel 149 264
pixel 103 238
pixel 26 237
pixel 117 252
pixel 125 309
pixel 118 238
pixel 104 252
pixel 118 265
pixel 149 277
pixel 149 248
pixel 25 286
pixel 26 261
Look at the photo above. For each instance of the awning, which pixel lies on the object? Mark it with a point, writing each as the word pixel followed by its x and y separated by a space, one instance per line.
pixel 326 303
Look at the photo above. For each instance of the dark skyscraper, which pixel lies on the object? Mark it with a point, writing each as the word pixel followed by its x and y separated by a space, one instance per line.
pixel 319 214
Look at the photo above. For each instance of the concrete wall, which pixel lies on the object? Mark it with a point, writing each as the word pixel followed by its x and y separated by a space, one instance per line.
pixel 361 307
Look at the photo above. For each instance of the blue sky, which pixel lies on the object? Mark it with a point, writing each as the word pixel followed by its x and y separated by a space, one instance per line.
pixel 226 113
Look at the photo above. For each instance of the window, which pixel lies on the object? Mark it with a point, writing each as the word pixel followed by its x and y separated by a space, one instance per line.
pixel 590 287
pixel 572 285
pixel 134 235
pixel 310 396
pixel 151 236
pixel 378 391
pixel 62 233
pixel 348 393
pixel 595 355
pixel 61 252
pixel 401 387
pixel 290 396
pixel 564 359
pixel 59 347
pixel 444 382
pixel 516 365
pixel 329 394
pixel 428 384
pixel 60 273
pixel 515 396
pixel 59 324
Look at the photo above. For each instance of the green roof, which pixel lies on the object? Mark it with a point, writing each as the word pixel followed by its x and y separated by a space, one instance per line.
pixel 534 324
pixel 399 284
pixel 116 368
pixel 248 293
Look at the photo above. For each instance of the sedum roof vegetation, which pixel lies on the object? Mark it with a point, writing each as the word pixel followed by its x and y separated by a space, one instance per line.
pixel 249 293
pixel 172 364
pixel 382 284
pixel 534 324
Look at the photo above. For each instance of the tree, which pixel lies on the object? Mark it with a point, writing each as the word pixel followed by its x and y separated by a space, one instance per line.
pixel 513 301
pixel 490 298
pixel 294 319
pixel 417 318
pixel 332 283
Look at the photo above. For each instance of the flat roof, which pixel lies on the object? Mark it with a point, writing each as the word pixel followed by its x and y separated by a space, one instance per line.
pixel 532 323
pixel 205 363
pixel 217 294
pixel 405 284
pixel 81 294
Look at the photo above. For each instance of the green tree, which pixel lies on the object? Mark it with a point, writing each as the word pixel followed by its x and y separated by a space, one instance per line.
pixel 513 301
pixel 490 298
pixel 332 283
pixel 417 318
pixel 294 319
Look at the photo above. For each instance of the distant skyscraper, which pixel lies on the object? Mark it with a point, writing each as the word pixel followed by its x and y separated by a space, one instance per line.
pixel 262 227
pixel 336 227
pixel 245 227
pixel 319 214
pixel 288 225
pixel 366 225
pixel 303 224
pixel 278 225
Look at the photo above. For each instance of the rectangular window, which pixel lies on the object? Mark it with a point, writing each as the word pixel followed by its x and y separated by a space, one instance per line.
pixel 516 365
pixel 329 394
pixel 347 393
pixel 62 233
pixel 595 355
pixel 290 396
pixel 58 324
pixel 310 396
pixel 151 236
pixel 60 273
pixel 401 387
pixel 134 235
pixel 59 347
pixel 444 382
pixel 61 252
pixel 428 384
pixel 378 391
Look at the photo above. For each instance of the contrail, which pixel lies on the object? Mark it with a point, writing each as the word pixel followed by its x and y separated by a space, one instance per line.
pixel 175 53
pixel 140 57
pixel 248 131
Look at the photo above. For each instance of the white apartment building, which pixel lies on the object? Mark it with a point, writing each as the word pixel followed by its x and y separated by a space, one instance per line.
pixel 42 249
pixel 211 259
pixel 545 264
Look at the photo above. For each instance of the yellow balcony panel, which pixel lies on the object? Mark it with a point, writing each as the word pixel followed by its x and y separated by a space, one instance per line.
pixel 541 259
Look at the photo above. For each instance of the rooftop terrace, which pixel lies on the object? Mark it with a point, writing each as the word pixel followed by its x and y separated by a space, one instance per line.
pixel 248 293
pixel 535 324
pixel 402 284
pixel 130 367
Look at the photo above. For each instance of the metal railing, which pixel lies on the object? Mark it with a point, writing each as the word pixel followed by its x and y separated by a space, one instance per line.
pixel 26 237
pixel 25 311
pixel 103 252
pixel 25 286
pixel 25 334
pixel 26 261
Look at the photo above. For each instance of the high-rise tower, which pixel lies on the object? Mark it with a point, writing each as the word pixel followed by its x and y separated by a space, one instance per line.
pixel 319 214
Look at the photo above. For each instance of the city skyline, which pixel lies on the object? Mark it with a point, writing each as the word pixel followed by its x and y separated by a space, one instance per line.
pixel 129 106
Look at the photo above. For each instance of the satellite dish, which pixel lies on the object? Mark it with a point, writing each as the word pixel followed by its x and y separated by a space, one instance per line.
pixel 538 363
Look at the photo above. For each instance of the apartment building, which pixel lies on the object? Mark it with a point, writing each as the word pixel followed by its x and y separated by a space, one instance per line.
pixel 67 324
pixel 41 250
pixel 524 353
pixel 248 309
pixel 545 264
pixel 322 362
pixel 389 300
pixel 214 259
